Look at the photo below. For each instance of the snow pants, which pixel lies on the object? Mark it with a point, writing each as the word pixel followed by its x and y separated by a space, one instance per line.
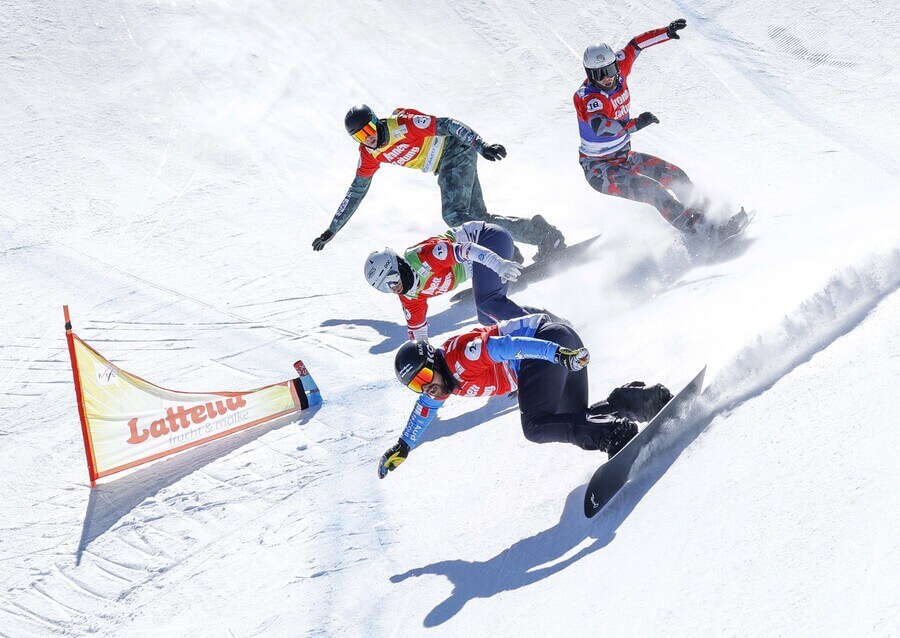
pixel 554 401
pixel 491 302
pixel 643 178
pixel 462 200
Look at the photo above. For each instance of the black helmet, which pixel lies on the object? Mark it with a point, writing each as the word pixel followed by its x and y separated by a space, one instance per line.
pixel 411 359
pixel 358 117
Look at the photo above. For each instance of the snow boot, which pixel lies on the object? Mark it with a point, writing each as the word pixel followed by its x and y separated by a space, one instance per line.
pixel 634 401
pixel 690 221
pixel 619 435
pixel 553 240
pixel 733 226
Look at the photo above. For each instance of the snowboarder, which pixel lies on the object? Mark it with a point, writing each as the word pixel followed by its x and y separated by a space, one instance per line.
pixel 476 250
pixel 545 361
pixel 602 105
pixel 439 145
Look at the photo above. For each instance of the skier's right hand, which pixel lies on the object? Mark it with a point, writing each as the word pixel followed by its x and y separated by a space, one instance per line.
pixel 492 152
pixel 508 270
pixel 320 241
pixel 674 27
pixel 645 119
pixel 573 360
pixel 394 456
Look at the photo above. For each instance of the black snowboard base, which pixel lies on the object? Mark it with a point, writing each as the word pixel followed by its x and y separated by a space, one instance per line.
pixel 613 475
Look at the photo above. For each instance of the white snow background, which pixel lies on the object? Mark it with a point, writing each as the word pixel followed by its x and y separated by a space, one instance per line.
pixel 164 169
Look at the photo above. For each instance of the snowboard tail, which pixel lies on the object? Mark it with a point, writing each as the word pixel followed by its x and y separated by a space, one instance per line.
pixel 550 265
pixel 613 475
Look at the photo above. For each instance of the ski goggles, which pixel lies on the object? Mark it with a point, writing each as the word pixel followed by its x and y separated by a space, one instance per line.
pixel 423 377
pixel 390 280
pixel 608 71
pixel 371 128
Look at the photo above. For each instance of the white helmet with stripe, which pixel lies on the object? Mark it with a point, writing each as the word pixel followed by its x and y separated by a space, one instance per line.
pixel 382 270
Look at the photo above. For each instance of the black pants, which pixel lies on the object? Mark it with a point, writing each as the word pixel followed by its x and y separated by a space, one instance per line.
pixel 554 401
pixel 491 302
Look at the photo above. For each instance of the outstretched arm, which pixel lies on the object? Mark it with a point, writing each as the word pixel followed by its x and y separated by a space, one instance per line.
pixel 422 415
pixel 509 347
pixel 358 189
pixel 658 36
pixel 477 254
pixel 449 126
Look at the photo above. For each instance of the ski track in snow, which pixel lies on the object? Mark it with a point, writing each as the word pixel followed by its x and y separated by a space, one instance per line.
pixel 829 314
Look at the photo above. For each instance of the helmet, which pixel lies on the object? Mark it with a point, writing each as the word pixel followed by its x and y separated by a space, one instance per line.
pixel 361 122
pixel 600 62
pixel 414 364
pixel 382 269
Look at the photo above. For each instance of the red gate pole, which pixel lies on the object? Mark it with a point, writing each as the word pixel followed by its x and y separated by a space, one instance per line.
pixel 79 398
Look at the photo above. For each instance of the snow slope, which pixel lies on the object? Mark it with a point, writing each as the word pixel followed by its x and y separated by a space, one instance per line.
pixel 166 166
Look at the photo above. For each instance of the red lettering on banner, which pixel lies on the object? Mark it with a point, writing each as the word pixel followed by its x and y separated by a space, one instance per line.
pixel 135 437
pixel 158 428
pixel 181 418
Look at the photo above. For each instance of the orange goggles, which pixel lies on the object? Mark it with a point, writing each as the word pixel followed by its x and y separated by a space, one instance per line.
pixel 369 129
pixel 422 378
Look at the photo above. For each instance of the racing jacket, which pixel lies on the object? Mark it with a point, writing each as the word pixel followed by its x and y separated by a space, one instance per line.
pixel 604 123
pixel 415 140
pixel 484 362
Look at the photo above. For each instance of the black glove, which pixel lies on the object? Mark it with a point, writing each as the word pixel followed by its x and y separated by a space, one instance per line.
pixel 395 455
pixel 645 119
pixel 573 360
pixel 674 27
pixel 320 241
pixel 492 152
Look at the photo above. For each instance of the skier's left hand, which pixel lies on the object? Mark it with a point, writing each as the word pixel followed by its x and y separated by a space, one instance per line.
pixel 492 152
pixel 645 119
pixel 394 456
pixel 674 27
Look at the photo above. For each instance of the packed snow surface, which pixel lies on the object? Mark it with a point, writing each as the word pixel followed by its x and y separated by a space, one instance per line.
pixel 166 166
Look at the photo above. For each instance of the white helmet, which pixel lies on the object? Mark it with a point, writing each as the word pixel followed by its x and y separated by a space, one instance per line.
pixel 600 62
pixel 382 269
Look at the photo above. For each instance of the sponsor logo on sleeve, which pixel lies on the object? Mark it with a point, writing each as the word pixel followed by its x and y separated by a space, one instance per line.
pixel 421 121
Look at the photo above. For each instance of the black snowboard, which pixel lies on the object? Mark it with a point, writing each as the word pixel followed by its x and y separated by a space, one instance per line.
pixel 613 475
pixel 558 262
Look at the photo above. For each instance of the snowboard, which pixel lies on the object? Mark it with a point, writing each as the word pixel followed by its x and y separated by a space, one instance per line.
pixel 556 263
pixel 613 475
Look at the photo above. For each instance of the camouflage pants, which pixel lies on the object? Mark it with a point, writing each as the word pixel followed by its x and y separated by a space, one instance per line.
pixel 643 178
pixel 462 201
